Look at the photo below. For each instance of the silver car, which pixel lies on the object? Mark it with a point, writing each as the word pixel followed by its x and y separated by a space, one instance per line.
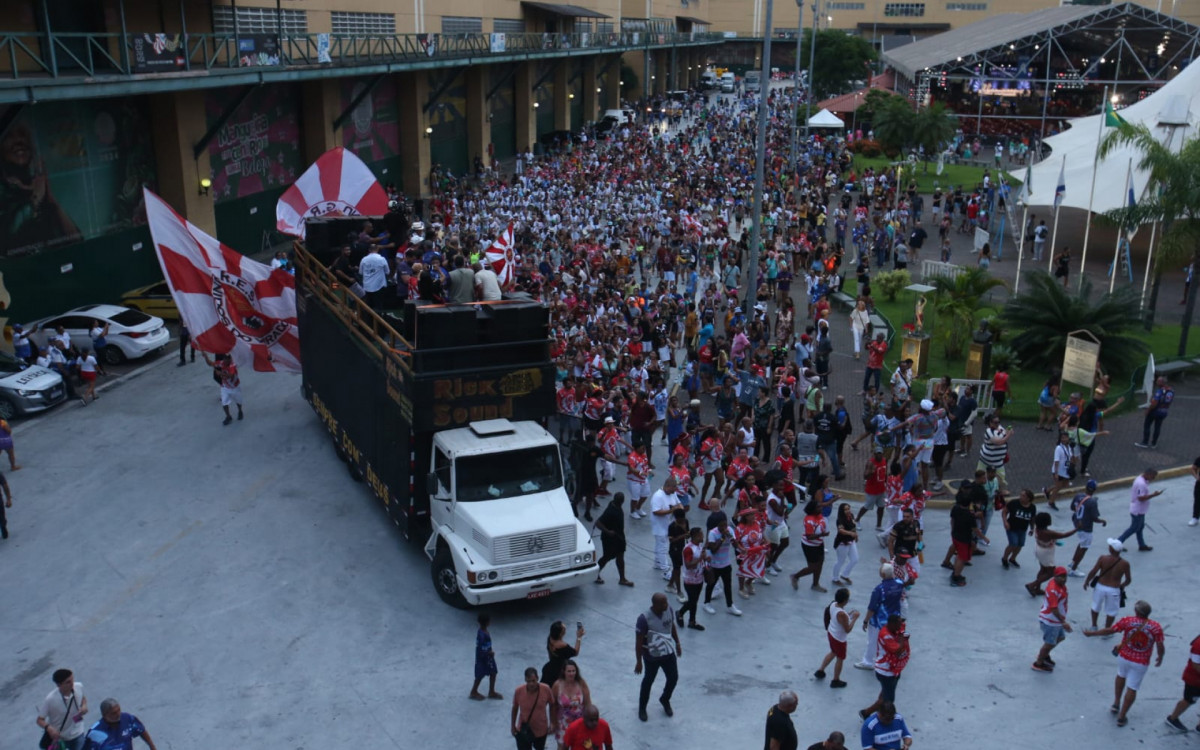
pixel 26 389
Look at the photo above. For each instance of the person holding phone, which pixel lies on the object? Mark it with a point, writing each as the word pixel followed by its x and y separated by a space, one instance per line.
pixel 61 713
pixel 1139 504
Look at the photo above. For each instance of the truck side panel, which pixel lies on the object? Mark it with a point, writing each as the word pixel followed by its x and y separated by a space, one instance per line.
pixel 348 388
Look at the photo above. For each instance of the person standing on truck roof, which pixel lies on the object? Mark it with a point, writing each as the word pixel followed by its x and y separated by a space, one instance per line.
pixel 374 269
pixel 462 281
pixel 487 284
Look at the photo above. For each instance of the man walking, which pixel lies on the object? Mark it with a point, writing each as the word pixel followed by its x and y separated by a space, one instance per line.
pixel 1191 687
pixel 1156 412
pixel 781 733
pixel 886 730
pixel 225 372
pixel 1053 619
pixel 185 341
pixel 61 713
pixel 655 632
pixel 875 352
pixel 1139 502
pixel 886 600
pixel 1139 634
pixel 1087 514
pixel 116 730
pixel 1110 575
pixel 663 505
pixel 589 732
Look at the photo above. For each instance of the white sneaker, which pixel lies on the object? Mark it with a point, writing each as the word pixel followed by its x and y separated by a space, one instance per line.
pixel 765 581
pixel 733 610
pixel 1075 574
pixel 709 609
pixel 863 665
pixel 1194 521
pixel 777 570
pixel 682 598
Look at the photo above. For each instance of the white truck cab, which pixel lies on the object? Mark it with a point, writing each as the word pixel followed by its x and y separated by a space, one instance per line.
pixel 502 525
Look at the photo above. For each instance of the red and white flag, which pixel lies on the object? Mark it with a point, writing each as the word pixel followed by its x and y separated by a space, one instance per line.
pixel 229 303
pixel 690 223
pixel 337 184
pixel 503 258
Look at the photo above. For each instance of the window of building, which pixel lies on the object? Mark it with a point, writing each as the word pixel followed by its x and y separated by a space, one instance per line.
pixel 604 27
pixel 346 22
pixel 966 6
pixel 461 25
pixel 908 10
pixel 508 26
pixel 583 26
pixel 845 6
pixel 259 20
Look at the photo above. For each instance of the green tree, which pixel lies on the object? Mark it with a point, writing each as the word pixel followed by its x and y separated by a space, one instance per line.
pixel 894 123
pixel 933 126
pixel 1173 198
pixel 875 100
pixel 1045 314
pixel 840 59
pixel 957 303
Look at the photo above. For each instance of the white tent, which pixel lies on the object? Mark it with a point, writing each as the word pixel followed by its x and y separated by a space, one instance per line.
pixel 1174 102
pixel 825 119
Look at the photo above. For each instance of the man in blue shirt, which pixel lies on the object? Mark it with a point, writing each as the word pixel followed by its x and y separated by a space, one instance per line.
pixel 885 730
pixel 116 730
pixel 886 600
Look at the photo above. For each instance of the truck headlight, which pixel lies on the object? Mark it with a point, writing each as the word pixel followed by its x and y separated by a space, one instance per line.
pixel 587 557
pixel 493 575
pixel 578 559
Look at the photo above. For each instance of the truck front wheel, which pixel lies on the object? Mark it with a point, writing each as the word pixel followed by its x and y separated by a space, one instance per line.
pixel 445 580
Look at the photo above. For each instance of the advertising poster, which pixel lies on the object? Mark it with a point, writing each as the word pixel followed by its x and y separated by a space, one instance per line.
pixel 72 171
pixel 158 53
pixel 258 148
pixel 258 50
pixel 373 130
pixel 498 42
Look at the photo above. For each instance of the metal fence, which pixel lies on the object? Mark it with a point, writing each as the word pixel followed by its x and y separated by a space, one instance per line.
pixel 32 55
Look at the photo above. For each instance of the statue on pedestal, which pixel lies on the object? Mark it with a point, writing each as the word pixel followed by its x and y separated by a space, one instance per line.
pixel 983 335
pixel 919 316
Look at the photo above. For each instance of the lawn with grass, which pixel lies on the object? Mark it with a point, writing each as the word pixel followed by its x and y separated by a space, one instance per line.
pixel 954 174
pixel 1024 385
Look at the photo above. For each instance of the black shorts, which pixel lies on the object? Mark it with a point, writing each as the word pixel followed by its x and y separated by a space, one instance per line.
pixel 939 455
pixel 887 686
pixel 1190 693
pixel 676 558
pixel 998 398
pixel 813 555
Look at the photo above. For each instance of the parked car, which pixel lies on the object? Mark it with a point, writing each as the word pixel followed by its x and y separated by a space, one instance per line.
pixel 153 299
pixel 131 333
pixel 27 389
pixel 622 116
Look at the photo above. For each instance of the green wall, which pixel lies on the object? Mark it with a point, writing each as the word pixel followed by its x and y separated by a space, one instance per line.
pixel 242 221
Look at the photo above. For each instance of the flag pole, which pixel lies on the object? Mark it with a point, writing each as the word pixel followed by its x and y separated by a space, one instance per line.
pixel 1112 277
pixel 1087 230
pixel 1020 249
pixel 1149 263
pixel 1054 233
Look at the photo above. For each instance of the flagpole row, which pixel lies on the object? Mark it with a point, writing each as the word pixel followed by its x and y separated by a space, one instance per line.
pixel 1020 250
pixel 1149 264
pixel 1087 230
pixel 1112 280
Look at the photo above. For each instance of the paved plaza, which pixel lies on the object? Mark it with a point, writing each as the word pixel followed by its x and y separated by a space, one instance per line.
pixel 232 587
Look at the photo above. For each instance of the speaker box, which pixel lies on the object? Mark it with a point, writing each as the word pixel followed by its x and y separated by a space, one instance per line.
pixel 445 326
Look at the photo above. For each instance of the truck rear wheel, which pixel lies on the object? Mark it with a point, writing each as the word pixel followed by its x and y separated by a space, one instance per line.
pixel 445 579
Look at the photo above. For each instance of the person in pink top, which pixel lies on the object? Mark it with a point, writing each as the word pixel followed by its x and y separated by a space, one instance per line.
pixel 1139 503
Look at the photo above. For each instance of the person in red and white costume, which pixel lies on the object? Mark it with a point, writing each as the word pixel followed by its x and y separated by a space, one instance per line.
pixel 1139 636
pixel 1191 687
pixel 891 657
pixel 813 545
pixel 638 475
pixel 1053 619
pixel 777 509
pixel 739 468
pixel 610 443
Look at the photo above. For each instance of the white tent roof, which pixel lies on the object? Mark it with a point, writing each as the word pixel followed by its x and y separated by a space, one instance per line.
pixel 1078 144
pixel 825 119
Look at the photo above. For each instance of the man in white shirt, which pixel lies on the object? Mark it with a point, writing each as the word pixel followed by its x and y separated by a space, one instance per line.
pixel 374 270
pixel 487 284
pixel 662 506
pixel 61 713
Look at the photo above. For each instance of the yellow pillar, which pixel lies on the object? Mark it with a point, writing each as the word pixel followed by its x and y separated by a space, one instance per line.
pixel 179 123
pixel 479 128
pixel 661 70
pixel 562 91
pixel 322 103
pixel 591 97
pixel 413 91
pixel 612 93
pixel 525 116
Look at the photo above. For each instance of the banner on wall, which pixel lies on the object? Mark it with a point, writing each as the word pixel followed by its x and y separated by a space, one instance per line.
pixel 258 50
pixel 323 56
pixel 72 171
pixel 373 130
pixel 258 148
pixel 498 42
pixel 154 53
pixel 428 43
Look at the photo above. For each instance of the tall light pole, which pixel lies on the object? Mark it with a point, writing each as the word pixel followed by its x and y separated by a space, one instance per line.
pixel 812 57
pixel 760 159
pixel 796 90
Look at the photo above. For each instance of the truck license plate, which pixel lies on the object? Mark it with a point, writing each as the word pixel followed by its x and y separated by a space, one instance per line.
pixel 538 594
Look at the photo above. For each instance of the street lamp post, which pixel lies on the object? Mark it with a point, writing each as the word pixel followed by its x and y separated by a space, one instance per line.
pixel 796 90
pixel 812 57
pixel 759 163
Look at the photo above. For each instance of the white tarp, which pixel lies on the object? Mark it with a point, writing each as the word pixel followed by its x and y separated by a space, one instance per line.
pixel 1078 144
pixel 825 119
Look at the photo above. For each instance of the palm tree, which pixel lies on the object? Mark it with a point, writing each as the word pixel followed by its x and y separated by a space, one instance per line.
pixel 893 124
pixel 957 304
pixel 1173 198
pixel 1045 314
pixel 932 127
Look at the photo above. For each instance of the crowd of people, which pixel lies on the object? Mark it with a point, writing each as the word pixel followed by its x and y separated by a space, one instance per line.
pixel 664 326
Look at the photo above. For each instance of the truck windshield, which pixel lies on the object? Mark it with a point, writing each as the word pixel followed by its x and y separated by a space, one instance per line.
pixel 494 476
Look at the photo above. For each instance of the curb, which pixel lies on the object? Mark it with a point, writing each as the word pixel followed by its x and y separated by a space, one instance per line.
pixel 1109 484
pixel 71 404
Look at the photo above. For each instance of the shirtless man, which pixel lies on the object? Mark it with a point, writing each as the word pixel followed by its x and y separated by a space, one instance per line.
pixel 1108 576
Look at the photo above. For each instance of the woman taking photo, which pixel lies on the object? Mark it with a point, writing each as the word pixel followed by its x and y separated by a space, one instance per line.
pixel 559 651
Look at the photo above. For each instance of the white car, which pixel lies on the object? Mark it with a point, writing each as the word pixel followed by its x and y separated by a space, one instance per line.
pixel 26 389
pixel 131 334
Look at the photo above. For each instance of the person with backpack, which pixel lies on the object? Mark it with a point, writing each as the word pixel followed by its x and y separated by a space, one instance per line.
pixel 838 625
pixel 1085 510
